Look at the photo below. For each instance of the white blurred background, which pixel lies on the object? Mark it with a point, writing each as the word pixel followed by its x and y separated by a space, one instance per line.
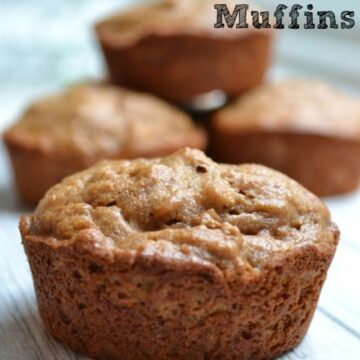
pixel 46 45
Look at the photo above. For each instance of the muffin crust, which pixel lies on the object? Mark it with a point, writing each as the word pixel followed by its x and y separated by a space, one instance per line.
pixel 178 257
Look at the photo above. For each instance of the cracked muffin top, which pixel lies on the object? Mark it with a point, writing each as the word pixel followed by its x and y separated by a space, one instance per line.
pixel 101 121
pixel 168 17
pixel 307 106
pixel 184 207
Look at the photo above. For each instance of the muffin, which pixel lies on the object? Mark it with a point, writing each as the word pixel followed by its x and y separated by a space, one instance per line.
pixel 70 131
pixel 304 128
pixel 178 258
pixel 172 49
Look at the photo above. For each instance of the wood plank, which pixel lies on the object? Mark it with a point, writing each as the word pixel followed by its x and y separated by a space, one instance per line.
pixel 325 341
pixel 341 293
pixel 345 211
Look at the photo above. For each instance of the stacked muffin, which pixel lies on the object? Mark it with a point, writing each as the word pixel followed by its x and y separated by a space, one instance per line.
pixel 176 256
pixel 172 49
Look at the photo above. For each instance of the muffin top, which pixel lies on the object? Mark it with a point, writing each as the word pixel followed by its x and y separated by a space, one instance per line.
pixel 296 106
pixel 96 121
pixel 168 17
pixel 184 207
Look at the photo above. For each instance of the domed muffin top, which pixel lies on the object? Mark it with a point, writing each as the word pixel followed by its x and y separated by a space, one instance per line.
pixel 184 207
pixel 97 121
pixel 167 17
pixel 307 106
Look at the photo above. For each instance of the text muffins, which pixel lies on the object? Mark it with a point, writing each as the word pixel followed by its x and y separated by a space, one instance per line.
pixel 178 258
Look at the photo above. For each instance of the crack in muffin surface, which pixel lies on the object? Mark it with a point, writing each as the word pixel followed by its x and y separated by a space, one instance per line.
pixel 185 206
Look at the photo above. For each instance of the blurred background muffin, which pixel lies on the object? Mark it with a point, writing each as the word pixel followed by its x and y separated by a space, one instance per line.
pixel 69 131
pixel 172 49
pixel 305 129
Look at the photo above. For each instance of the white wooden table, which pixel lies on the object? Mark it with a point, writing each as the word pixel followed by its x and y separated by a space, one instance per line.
pixel 335 331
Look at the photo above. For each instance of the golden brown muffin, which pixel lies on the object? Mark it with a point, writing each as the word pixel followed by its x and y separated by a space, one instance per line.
pixel 303 128
pixel 178 258
pixel 172 49
pixel 67 132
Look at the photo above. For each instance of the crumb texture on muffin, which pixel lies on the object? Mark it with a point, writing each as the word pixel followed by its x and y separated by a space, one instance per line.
pixel 185 206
